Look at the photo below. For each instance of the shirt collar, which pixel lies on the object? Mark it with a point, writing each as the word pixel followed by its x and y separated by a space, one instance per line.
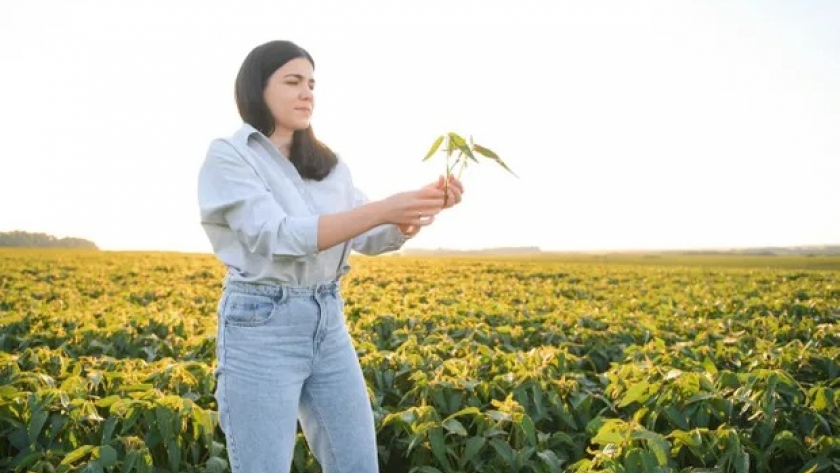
pixel 245 132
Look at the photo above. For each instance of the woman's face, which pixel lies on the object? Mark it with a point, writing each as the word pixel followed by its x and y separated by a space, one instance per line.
pixel 289 96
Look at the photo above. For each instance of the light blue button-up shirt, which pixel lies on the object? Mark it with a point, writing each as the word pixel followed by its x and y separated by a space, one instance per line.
pixel 262 218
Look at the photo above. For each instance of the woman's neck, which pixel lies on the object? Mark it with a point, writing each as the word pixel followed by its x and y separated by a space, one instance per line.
pixel 283 140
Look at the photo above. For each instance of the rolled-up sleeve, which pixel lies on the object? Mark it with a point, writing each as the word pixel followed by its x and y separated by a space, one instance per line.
pixel 231 194
pixel 377 240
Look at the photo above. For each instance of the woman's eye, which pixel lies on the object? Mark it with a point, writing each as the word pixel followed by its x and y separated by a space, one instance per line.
pixel 296 83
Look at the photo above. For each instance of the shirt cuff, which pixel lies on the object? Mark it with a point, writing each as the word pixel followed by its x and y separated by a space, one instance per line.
pixel 298 238
pixel 399 238
pixel 309 230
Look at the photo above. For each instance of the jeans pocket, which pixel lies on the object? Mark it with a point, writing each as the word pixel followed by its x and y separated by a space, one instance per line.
pixel 248 310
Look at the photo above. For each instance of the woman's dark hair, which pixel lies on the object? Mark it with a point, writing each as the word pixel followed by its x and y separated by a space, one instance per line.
pixel 312 159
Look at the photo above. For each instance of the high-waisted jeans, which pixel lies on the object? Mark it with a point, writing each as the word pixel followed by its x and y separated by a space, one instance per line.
pixel 284 354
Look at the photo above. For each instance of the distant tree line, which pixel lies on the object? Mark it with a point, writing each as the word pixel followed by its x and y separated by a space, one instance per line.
pixel 42 240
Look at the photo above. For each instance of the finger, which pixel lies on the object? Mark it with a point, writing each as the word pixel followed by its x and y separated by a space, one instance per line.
pixel 424 204
pixel 431 192
pixel 427 221
pixel 417 222
pixel 455 182
pixel 422 215
pixel 454 197
pixel 433 206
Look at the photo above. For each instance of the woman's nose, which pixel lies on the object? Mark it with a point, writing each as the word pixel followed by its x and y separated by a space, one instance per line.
pixel 306 94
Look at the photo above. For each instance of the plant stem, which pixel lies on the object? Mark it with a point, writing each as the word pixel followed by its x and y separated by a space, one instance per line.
pixel 461 169
pixel 449 170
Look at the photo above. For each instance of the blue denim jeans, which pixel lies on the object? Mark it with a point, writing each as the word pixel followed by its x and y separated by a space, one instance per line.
pixel 284 355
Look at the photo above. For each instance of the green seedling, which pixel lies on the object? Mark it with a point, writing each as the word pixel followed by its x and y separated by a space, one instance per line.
pixel 464 152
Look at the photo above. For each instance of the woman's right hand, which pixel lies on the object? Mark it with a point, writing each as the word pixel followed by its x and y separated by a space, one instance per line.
pixel 415 208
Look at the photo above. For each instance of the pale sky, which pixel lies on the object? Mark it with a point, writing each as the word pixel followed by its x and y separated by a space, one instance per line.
pixel 631 125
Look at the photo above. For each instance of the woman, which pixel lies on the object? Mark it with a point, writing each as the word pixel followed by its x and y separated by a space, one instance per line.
pixel 282 213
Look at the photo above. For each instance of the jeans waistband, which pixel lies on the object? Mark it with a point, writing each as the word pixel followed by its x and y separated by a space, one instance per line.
pixel 282 290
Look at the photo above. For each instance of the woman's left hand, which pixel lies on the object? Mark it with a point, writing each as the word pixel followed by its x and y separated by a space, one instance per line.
pixel 455 192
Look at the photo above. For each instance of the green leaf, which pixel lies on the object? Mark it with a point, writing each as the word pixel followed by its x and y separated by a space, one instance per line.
pixel 657 443
pixel 106 455
pixel 492 155
pixel 503 450
pixel 108 430
pixel 165 420
pixel 107 401
pixel 36 423
pixel 465 411
pixel 742 462
pixel 550 459
pixel 216 465
pixel 710 366
pixel 607 435
pixel 93 467
pixel 19 439
pixel 486 152
pixel 785 441
pixel 23 462
pixel 563 438
pixel 648 461
pixel 415 440
pixel 698 398
pixel 450 148
pixel 816 464
pixel 77 454
pixel 523 457
pixel 173 451
pixel 56 427
pixel 132 457
pixel 438 446
pixel 690 439
pixel 454 426
pixel 538 402
pixel 636 393
pixel 823 398
pixel 468 152
pixel 456 139
pixel 434 147
pixel 677 417
pixel 527 426
pixel 473 446
pixel 633 461
pixel 499 416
